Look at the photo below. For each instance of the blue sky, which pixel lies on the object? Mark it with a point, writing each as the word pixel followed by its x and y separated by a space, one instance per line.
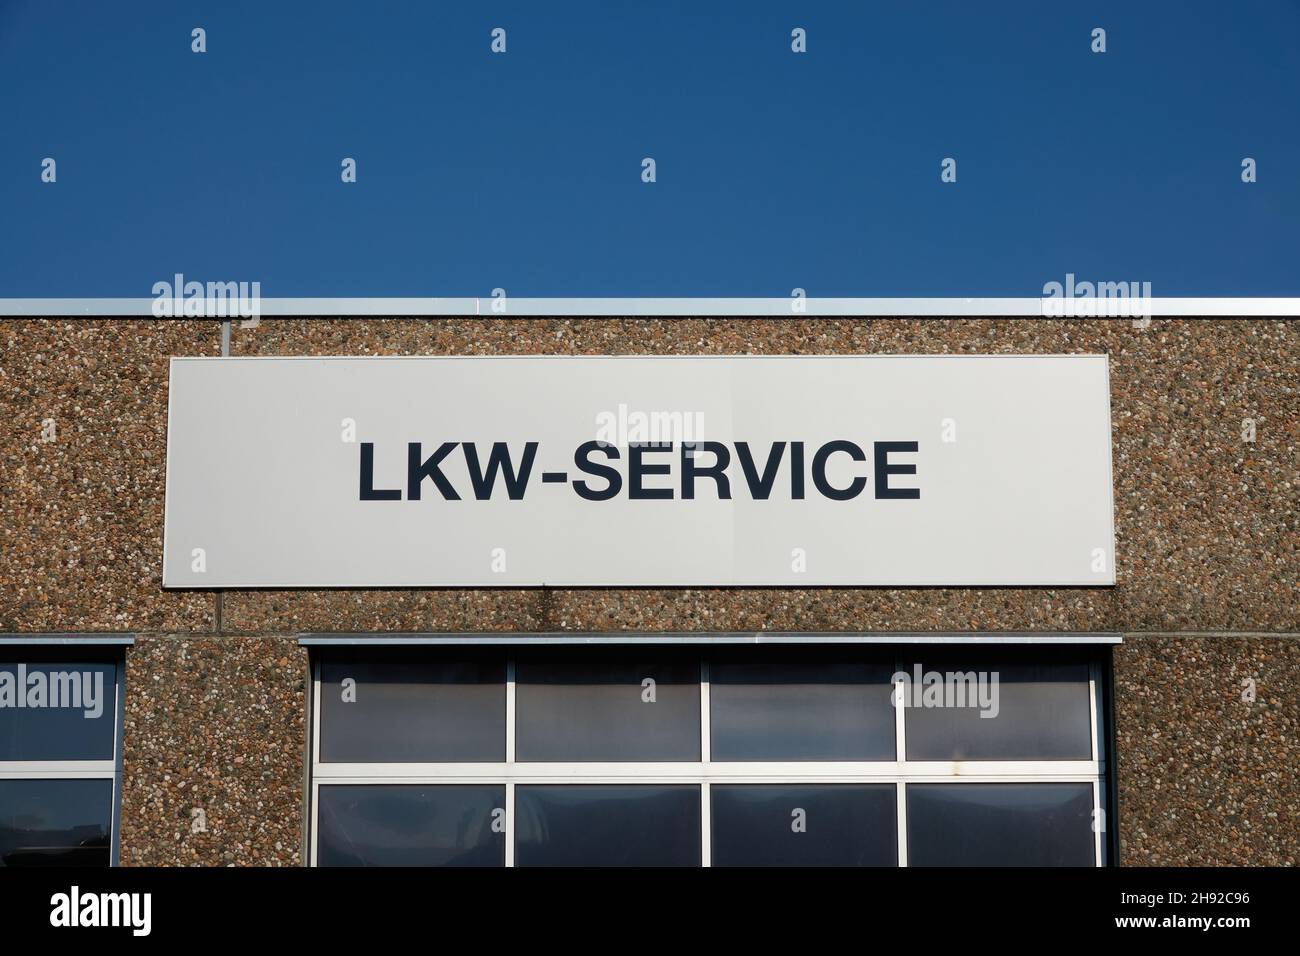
pixel 774 169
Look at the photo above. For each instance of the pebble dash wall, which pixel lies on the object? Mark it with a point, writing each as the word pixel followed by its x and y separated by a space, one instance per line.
pixel 1207 594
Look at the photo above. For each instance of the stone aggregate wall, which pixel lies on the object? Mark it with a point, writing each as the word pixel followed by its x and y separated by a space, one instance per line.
pixel 1208 564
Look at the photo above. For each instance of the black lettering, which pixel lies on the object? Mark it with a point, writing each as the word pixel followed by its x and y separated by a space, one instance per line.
pixel 819 470
pixel 499 458
pixel 884 469
pixel 417 472
pixel 690 469
pixel 582 458
pixel 796 470
pixel 638 469
pixel 760 487
pixel 368 490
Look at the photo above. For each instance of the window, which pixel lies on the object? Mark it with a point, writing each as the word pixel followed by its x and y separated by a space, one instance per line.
pixel 622 704
pixel 730 755
pixel 1044 713
pixel 412 825
pixel 1000 824
pixel 812 704
pixel 837 824
pixel 59 757
pixel 608 825
pixel 408 708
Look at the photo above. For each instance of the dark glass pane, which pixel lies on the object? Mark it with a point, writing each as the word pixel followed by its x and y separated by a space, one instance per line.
pixel 430 707
pixel 411 825
pixel 57 711
pixel 800 704
pixel 639 825
pixel 1000 824
pixel 600 704
pixel 55 822
pixel 804 825
pixel 1037 711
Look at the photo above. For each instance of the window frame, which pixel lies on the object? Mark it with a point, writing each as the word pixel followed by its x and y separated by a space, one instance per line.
pixel 71 652
pixel 705 772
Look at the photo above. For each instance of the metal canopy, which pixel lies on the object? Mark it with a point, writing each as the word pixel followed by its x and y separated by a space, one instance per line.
pixel 711 637
pixel 70 640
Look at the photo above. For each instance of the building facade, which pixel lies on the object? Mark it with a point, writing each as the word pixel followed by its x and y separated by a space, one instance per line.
pixel 1153 721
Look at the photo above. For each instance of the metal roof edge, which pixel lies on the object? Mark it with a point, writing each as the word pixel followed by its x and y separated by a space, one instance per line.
pixel 552 638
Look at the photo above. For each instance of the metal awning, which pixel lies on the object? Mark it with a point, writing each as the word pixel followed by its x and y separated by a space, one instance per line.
pixel 70 640
pixel 549 638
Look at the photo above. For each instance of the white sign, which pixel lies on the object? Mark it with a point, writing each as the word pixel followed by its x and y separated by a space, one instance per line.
pixel 784 471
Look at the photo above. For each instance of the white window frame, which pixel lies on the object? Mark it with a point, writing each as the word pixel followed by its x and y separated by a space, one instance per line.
pixel 899 772
pixel 108 769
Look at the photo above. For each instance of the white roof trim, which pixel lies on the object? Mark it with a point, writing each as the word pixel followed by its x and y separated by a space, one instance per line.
pixel 671 307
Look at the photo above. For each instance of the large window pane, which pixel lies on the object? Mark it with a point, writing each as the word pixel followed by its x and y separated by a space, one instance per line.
pixel 409 825
pixel 607 705
pixel 1038 710
pixel 402 708
pixel 774 708
pixel 600 825
pixel 1000 824
pixel 55 822
pixel 804 825
pixel 800 704
pixel 57 711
